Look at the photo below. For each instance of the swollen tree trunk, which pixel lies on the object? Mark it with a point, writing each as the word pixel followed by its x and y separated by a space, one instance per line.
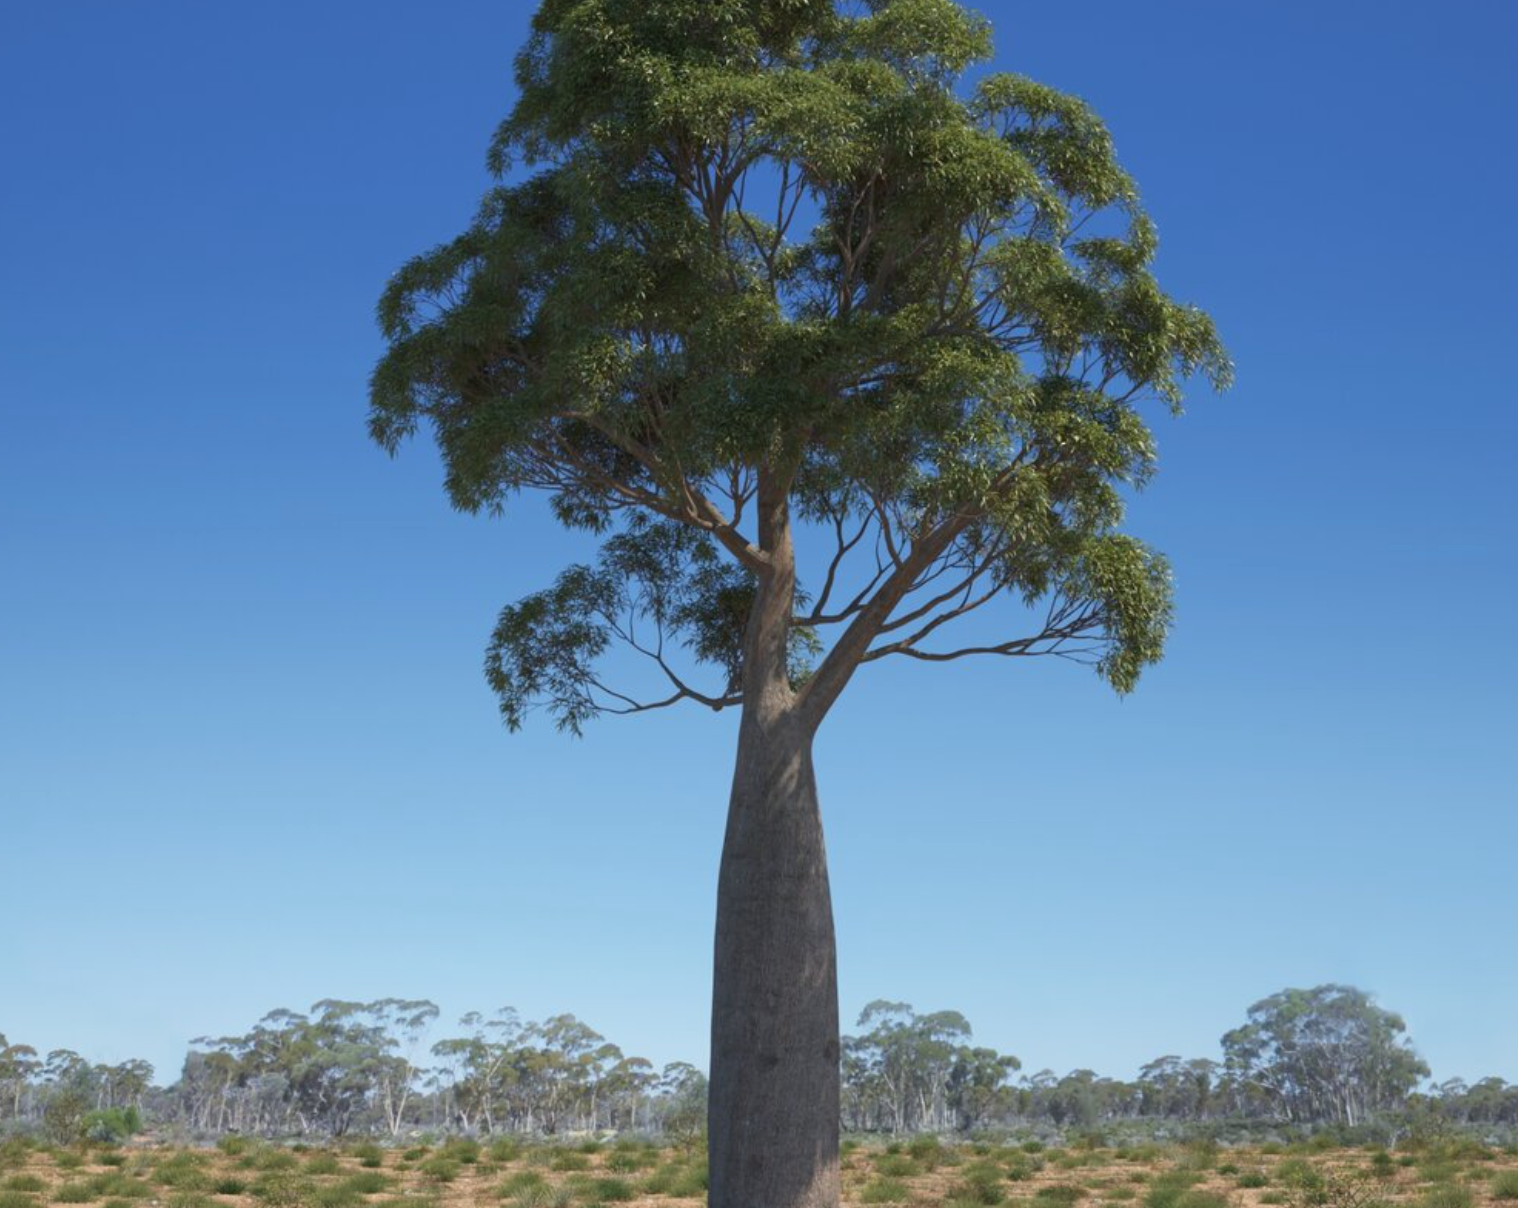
pixel 774 1092
pixel 774 1063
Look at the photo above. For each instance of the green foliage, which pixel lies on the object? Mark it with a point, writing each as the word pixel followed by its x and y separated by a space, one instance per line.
pixel 369 1155
pixel 367 1182
pixel 1251 1179
pixel 896 1165
pixel 1505 1185
pixel 282 1189
pixel 74 1193
pixel 885 1191
pixel 323 1162
pixel 1446 1196
pixel 16 1199
pixel 229 1185
pixel 981 1183
pixel 23 1182
pixel 1059 1195
pixel 111 1125
pixel 462 1149
pixel 950 316
pixel 337 1195
pixel 504 1150
pixel 522 1180
pixel 612 1190
pixel 440 1168
pixel 568 1159
pixel 1168 1189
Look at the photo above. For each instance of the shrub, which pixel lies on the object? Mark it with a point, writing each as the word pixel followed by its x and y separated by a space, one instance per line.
pixel 1059 1194
pixel 1167 1190
pixel 1252 1178
pixel 229 1185
pixel 895 1165
pixel 24 1182
pixel 75 1193
pixel 982 1184
pixel 690 1183
pixel 609 1191
pixel 281 1189
pixel 504 1150
pixel 440 1169
pixel 367 1182
pixel 884 1191
pixel 323 1163
pixel 463 1150
pixel 181 1171
pixel 1505 1185
pixel 112 1124
pixel 233 1146
pixel 274 1160
pixel 1446 1197
pixel 567 1159
pixel 927 1150
pixel 521 1181
pixel 338 1195
pixel 120 1186
pixel 16 1199
pixel 67 1159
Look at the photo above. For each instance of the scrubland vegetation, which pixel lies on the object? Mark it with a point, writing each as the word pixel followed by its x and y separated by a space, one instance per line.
pixel 242 1172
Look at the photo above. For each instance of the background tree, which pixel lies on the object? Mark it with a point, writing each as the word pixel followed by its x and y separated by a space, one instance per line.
pixel 1328 1053
pixel 778 280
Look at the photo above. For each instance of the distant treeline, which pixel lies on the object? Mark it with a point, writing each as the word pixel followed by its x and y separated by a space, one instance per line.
pixel 1328 1056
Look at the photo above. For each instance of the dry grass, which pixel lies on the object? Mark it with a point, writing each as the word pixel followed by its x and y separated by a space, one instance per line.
pixel 542 1176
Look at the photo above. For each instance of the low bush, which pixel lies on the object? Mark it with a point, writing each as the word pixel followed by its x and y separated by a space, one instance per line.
pixel 895 1165
pixel 1447 1197
pixel 1166 1190
pixel 885 1191
pixel 367 1182
pixel 1505 1185
pixel 440 1169
pixel 504 1149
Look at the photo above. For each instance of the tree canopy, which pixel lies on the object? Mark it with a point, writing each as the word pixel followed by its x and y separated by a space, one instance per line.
pixel 756 260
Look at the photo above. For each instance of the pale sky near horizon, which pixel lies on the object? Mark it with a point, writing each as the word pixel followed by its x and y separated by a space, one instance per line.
pixel 247 757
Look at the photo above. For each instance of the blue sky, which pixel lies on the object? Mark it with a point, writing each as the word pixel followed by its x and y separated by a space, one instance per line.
pixel 247 758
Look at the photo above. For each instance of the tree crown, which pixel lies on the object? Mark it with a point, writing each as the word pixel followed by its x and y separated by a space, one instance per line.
pixel 772 264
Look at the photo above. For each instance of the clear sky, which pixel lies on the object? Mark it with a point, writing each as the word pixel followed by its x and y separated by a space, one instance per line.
pixel 247 757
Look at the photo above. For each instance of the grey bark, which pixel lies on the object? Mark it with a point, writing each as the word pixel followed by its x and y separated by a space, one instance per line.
pixel 773 1113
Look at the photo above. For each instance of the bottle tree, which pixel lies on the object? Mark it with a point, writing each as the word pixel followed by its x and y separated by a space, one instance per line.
pixel 767 283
